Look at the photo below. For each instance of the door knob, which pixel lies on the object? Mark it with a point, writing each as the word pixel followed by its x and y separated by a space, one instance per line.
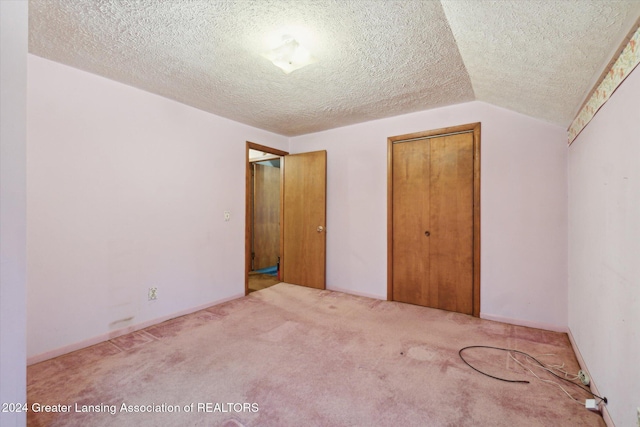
pixel 320 229
pixel 426 233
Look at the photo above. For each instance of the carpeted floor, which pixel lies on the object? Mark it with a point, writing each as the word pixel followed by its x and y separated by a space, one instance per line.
pixel 294 356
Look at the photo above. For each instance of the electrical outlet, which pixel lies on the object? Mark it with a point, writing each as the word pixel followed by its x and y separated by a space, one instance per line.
pixel 153 294
pixel 591 405
pixel 583 377
pixel 227 215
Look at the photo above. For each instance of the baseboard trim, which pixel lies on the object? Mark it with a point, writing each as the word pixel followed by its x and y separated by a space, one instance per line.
pixel 603 408
pixel 119 332
pixel 527 323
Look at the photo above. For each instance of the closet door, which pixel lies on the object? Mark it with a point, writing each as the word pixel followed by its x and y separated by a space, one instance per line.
pixel 433 221
pixel 411 221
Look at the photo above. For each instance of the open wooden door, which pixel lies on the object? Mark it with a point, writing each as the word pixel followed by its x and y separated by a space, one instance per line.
pixel 304 186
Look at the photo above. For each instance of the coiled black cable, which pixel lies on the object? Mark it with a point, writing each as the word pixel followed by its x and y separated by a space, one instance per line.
pixel 602 399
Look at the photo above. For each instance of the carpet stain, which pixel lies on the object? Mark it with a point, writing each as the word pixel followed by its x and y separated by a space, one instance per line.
pixel 217 310
pixel 539 336
pixel 424 353
pixel 132 340
pixel 174 359
pixel 88 355
pixel 167 329
pixel 206 316
pixel 445 365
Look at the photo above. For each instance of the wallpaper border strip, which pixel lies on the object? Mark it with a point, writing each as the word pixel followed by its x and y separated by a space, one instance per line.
pixel 624 65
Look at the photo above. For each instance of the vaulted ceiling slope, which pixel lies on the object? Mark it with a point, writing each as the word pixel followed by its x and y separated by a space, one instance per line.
pixel 375 58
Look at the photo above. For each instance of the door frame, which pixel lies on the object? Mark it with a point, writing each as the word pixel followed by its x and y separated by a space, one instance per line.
pixel 247 216
pixel 471 128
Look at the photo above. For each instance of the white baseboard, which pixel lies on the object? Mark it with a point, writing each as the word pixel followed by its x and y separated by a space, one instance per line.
pixel 528 323
pixel 119 332
pixel 603 408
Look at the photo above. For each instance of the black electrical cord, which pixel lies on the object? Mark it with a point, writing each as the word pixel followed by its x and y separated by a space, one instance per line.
pixel 484 373
pixel 602 399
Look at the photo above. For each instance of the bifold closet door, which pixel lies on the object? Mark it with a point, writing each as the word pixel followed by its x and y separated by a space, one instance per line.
pixel 433 224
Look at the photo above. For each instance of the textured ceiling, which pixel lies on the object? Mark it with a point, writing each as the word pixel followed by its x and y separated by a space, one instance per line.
pixel 540 58
pixel 375 58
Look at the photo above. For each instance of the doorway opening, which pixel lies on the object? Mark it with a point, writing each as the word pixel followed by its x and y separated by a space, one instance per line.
pixel 263 217
pixel 301 219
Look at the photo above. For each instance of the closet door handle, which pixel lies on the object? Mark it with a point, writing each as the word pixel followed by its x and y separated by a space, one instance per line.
pixel 426 233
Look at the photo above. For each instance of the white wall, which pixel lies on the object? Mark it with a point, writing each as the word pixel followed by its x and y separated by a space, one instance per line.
pixel 13 88
pixel 126 191
pixel 604 249
pixel 523 208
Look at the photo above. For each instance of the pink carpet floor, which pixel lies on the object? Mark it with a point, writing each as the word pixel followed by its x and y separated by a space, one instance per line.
pixel 293 356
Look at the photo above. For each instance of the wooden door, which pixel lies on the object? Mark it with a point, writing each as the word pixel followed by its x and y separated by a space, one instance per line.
pixel 304 218
pixel 266 216
pixel 435 221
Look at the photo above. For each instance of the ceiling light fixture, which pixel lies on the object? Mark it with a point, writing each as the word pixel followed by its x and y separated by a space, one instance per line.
pixel 289 55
